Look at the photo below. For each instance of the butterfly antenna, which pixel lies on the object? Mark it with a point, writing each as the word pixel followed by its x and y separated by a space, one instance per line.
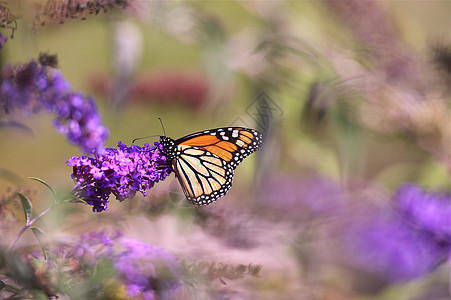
pixel 144 137
pixel 161 122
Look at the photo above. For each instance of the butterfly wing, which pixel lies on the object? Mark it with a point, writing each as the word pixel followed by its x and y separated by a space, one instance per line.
pixel 205 161
pixel 204 177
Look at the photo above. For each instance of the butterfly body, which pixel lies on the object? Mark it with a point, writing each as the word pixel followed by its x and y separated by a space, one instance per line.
pixel 204 162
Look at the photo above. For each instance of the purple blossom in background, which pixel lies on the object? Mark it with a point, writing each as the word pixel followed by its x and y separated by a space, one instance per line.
pixel 148 272
pixel 429 212
pixel 145 271
pixel 387 245
pixel 88 249
pixel 122 172
pixel 3 40
pixel 405 242
pixel 34 87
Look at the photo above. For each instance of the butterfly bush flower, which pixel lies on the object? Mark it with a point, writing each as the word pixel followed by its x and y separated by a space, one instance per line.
pixel 35 87
pixel 430 212
pixel 388 246
pixel 148 272
pixel 73 266
pixel 406 242
pixel 86 251
pixel 121 172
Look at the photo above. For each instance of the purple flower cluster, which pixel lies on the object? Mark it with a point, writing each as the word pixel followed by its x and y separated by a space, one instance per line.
pixel 122 172
pixel 148 272
pixel 143 271
pixel 34 87
pixel 89 248
pixel 385 244
pixel 429 212
pixel 406 242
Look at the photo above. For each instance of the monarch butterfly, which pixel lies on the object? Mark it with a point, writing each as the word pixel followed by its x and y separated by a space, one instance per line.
pixel 204 162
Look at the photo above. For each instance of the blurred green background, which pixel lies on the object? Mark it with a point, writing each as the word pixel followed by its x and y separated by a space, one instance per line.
pixel 241 48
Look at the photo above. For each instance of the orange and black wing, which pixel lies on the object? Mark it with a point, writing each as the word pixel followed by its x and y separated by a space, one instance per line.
pixel 205 161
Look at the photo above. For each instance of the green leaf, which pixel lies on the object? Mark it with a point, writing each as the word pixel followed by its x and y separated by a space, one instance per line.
pixel 39 234
pixel 27 207
pixel 46 184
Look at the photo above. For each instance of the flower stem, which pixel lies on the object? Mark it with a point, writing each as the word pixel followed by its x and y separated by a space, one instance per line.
pixel 28 225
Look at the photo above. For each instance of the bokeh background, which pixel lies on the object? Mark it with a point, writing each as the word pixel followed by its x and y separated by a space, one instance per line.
pixel 353 98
